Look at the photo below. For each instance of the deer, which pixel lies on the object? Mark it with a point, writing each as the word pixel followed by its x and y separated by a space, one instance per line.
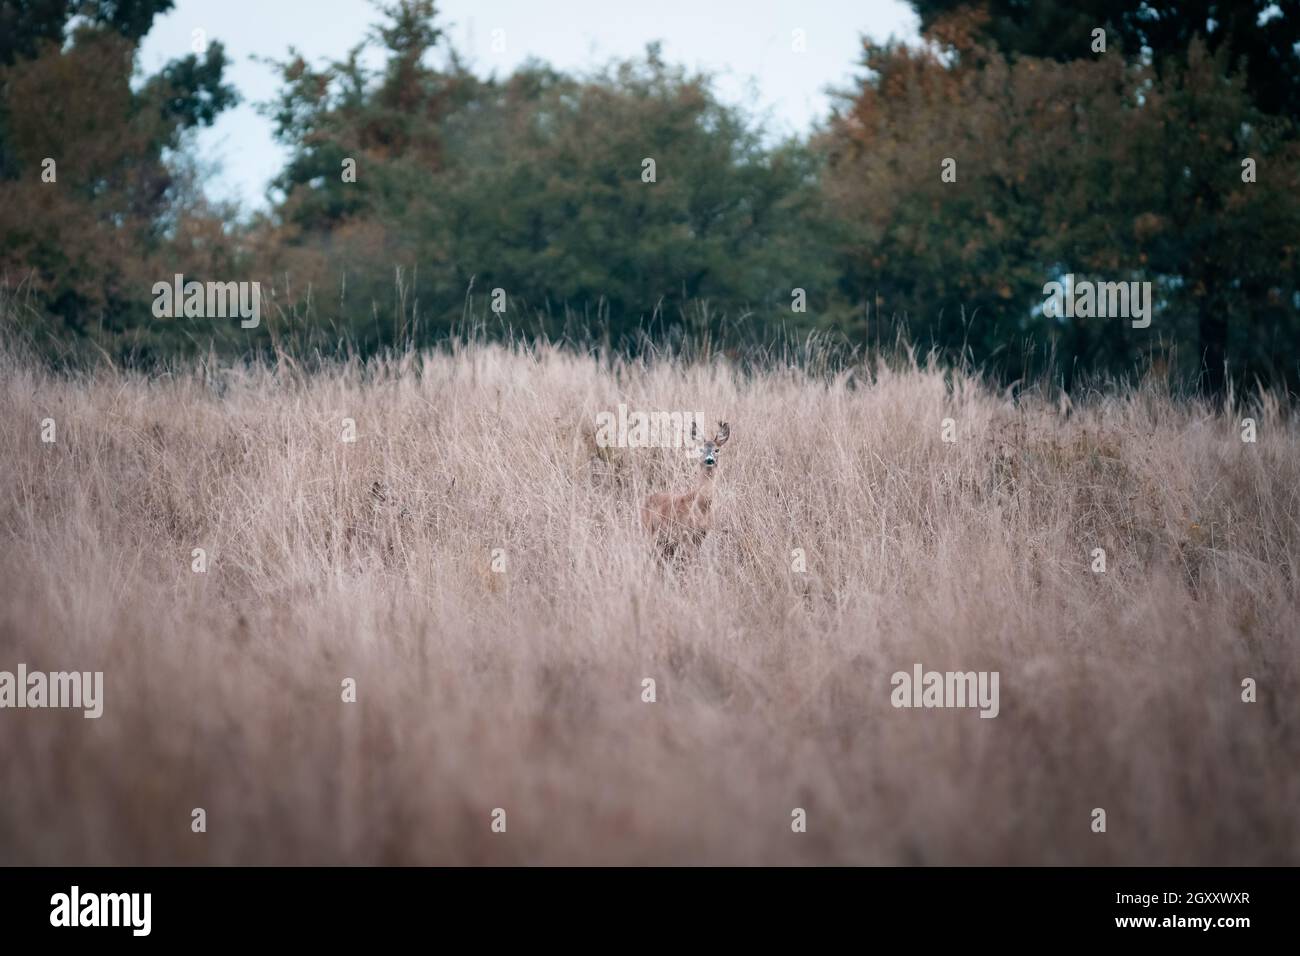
pixel 674 521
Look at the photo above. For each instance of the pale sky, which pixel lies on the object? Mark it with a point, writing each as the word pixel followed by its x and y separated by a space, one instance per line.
pixel 746 43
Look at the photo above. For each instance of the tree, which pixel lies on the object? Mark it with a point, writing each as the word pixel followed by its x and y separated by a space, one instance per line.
pixel 1260 36
pixel 84 232
pixel 538 185
pixel 1228 73
pixel 1098 167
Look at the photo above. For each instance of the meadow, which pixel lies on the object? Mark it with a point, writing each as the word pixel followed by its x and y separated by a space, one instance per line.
pixel 474 563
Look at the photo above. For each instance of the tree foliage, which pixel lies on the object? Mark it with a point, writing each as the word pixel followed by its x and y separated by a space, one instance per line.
pixel 955 179
pixel 90 233
pixel 537 185
pixel 1107 168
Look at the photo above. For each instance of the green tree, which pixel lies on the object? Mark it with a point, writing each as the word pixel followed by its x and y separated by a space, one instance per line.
pixel 534 184
pixel 1101 167
pixel 1224 82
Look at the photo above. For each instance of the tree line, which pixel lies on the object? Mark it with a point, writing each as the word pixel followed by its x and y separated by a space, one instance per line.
pixel 953 182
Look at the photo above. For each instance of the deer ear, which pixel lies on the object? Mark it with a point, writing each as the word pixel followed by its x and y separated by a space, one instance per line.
pixel 695 432
pixel 724 432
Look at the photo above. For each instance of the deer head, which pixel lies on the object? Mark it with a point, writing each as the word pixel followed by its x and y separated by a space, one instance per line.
pixel 709 449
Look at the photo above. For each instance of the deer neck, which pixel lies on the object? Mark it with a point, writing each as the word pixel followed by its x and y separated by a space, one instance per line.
pixel 704 490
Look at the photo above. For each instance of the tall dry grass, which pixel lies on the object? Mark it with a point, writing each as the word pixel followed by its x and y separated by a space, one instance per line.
pixel 522 690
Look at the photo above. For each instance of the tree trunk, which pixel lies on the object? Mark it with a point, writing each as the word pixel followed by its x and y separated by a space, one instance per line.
pixel 1212 332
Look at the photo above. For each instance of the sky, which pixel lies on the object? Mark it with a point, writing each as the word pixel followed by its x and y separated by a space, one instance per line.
pixel 747 44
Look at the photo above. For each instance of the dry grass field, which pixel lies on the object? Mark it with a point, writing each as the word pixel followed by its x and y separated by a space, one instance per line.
pixel 522 690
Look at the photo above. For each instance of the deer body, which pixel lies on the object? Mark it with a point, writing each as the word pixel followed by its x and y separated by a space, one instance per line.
pixel 674 521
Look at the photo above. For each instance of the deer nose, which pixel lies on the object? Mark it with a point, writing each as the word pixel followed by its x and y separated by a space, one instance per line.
pixel 709 460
